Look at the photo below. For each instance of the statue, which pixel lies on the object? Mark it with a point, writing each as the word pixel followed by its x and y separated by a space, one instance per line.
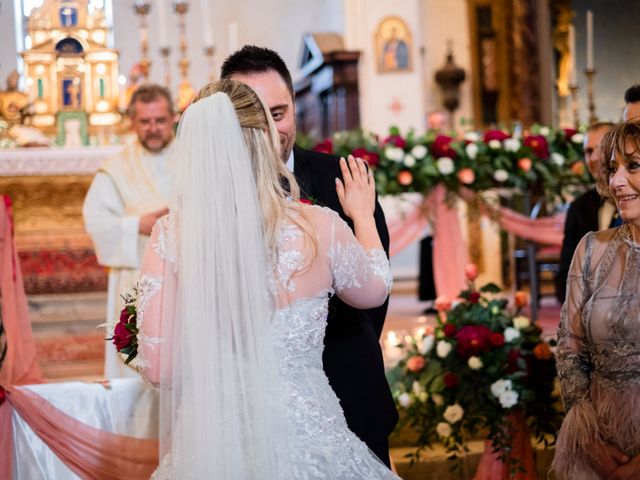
pixel 13 103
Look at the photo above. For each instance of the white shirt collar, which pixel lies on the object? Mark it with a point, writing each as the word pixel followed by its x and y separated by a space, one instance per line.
pixel 290 162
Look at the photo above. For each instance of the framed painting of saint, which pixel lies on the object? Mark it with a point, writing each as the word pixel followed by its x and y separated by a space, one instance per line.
pixel 393 46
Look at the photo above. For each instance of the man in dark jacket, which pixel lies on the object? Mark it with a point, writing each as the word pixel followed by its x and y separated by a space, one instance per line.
pixel 352 356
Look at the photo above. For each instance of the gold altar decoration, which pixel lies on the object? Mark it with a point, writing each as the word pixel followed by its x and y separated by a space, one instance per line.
pixel 185 90
pixel 13 102
pixel 70 68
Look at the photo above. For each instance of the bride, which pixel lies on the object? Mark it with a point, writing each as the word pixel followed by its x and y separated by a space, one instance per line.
pixel 233 300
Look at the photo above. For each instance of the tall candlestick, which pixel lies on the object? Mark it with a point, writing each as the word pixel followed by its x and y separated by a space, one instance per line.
pixel 162 23
pixel 207 31
pixel 589 40
pixel 233 36
pixel 572 51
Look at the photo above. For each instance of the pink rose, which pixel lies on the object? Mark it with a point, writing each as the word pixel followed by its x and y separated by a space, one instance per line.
pixel 466 176
pixel 443 303
pixel 416 363
pixel 471 271
pixel 121 336
pixel 473 339
pixel 525 164
pixel 405 177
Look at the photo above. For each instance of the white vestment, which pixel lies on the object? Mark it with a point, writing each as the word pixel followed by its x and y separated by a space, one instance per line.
pixel 126 186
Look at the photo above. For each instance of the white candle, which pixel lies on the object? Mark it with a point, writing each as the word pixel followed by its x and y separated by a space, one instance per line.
pixel 589 40
pixel 207 31
pixel 233 36
pixel 572 51
pixel 162 23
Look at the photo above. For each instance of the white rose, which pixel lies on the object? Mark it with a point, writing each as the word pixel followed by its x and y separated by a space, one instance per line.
pixel 577 138
pixel 557 158
pixel 495 144
pixel 409 160
pixel 394 153
pixel 427 344
pixel 508 399
pixel 499 387
pixel 511 334
pixel 419 151
pixel 453 413
pixel 475 363
pixel 445 166
pixel 512 144
pixel 444 429
pixel 521 322
pixel 472 136
pixel 423 397
pixel 404 400
pixel 472 150
pixel 437 399
pixel 500 175
pixel 416 387
pixel 443 348
pixel 545 131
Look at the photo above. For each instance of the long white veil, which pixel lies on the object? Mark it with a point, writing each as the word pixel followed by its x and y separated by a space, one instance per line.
pixel 221 410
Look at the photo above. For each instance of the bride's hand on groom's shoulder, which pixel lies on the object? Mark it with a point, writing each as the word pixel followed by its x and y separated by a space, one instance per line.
pixel 357 190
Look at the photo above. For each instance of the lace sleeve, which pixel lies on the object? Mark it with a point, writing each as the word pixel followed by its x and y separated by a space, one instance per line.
pixel 573 359
pixel 361 279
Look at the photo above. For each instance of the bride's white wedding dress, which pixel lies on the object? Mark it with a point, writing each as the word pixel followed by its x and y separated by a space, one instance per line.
pixel 302 280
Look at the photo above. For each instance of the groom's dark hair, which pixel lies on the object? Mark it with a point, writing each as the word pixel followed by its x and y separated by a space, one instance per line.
pixel 252 59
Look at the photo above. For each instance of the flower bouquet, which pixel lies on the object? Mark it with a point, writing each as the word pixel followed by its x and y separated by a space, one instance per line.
pixel 125 331
pixel 483 365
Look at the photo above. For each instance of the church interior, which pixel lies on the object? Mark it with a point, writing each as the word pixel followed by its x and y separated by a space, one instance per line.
pixel 471 114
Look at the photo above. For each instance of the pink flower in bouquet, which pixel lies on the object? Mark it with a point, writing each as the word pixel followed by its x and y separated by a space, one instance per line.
pixel 569 132
pixel 472 340
pixel 466 176
pixel 521 299
pixel 471 271
pixel 372 158
pixel 396 140
pixel 324 147
pixel 450 380
pixel 405 177
pixel 578 168
pixel 441 147
pixel 525 164
pixel 121 336
pixel 443 303
pixel 495 135
pixel 416 363
pixel 539 145
pixel 449 330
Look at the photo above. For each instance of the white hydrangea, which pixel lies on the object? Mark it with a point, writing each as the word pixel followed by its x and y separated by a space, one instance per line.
pixel 545 131
pixel 500 175
pixel 405 400
pixel 409 160
pixel 427 344
pixel 495 144
pixel 419 151
pixel 443 348
pixel 394 153
pixel 472 136
pixel 475 363
pixel 438 399
pixel 512 144
pixel 500 386
pixel 417 388
pixel 521 322
pixel 577 138
pixel 508 399
pixel 444 429
pixel 472 150
pixel 453 413
pixel 511 334
pixel 445 166
pixel 557 158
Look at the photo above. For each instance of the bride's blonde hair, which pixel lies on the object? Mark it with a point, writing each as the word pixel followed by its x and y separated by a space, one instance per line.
pixel 276 185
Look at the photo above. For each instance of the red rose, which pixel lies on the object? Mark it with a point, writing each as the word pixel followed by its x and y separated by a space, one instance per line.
pixel 121 336
pixel 306 201
pixel 474 297
pixel 539 145
pixel 396 140
pixel 3 393
pixel 495 135
pixel 416 363
pixel 441 147
pixel 324 147
pixel 569 132
pixel 497 339
pixel 124 315
pixel 473 339
pixel 512 360
pixel 449 330
pixel 372 158
pixel 450 380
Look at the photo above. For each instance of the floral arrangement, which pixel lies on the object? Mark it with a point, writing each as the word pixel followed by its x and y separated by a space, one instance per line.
pixel 481 364
pixel 545 158
pixel 125 331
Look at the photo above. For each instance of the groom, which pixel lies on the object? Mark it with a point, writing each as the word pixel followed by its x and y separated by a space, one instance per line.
pixel 352 357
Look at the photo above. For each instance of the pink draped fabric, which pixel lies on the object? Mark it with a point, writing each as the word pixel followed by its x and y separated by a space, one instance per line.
pixel 87 451
pixel 19 366
pixel 545 231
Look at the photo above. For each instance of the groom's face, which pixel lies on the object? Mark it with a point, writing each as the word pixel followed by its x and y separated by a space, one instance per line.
pixel 273 90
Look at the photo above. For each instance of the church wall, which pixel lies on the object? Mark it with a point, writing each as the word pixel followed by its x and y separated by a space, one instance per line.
pixel 8 57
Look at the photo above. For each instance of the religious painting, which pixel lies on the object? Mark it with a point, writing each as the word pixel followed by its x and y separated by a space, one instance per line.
pixel 68 16
pixel 71 93
pixel 393 46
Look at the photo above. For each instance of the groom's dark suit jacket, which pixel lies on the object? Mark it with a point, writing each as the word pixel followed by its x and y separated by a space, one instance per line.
pixel 352 356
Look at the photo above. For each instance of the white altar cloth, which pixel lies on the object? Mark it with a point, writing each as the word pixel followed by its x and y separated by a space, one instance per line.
pixel 128 407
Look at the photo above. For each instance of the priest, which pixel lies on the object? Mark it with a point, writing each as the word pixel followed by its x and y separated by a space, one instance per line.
pixel 129 193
